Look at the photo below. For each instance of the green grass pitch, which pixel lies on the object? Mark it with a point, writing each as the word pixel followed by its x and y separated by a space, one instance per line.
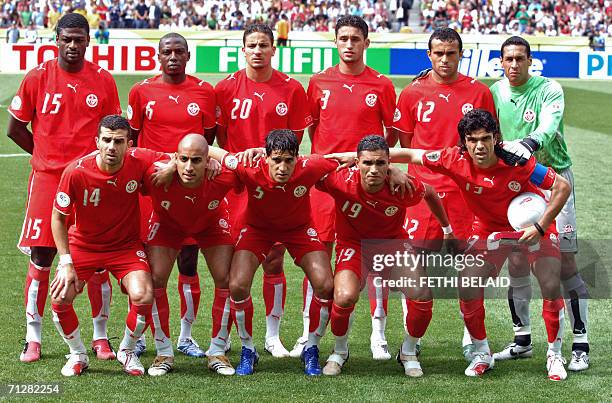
pixel 588 129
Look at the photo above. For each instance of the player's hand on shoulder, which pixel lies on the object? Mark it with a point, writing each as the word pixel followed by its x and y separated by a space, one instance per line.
pixel 213 168
pixel 531 236
pixel 400 181
pixel 250 156
pixel 65 277
pixel 517 152
pixel 163 173
pixel 346 160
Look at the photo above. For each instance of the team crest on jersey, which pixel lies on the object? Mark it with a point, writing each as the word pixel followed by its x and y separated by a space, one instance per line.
pixel 91 100
pixel 62 199
pixel 514 186
pixel 370 99
pixel 466 108
pixel 129 112
pixel 131 186
pixel 223 223
pixel 193 109
pixel 311 232
pixel 281 109
pixel 397 115
pixel 433 156
pixel 141 254
pixel 213 204
pixel 165 204
pixel 231 162
pixel 529 116
pixel 300 191
pixel 391 210
pixel 16 103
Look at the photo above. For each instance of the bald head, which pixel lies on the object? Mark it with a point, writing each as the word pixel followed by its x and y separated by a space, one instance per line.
pixel 191 160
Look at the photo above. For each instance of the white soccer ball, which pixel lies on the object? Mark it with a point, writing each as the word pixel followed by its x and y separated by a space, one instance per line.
pixel 525 210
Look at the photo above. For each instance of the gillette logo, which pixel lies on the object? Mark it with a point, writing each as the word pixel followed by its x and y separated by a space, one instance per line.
pixel 486 63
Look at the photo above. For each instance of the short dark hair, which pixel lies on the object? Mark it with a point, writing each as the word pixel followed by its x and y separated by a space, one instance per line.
pixel 263 28
pixel 445 35
pixel 282 140
pixel 475 120
pixel 72 20
pixel 173 35
pixel 352 21
pixel 373 142
pixel 518 41
pixel 114 122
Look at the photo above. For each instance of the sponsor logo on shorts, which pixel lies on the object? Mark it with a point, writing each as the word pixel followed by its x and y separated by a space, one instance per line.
pixel 371 99
pixel 300 191
pixel 391 210
pixel 141 254
pixel 62 199
pixel 91 100
pixel 529 116
pixel 193 109
pixel 281 109
pixel 223 223
pixel 397 115
pixel 568 228
pixel 129 112
pixel 514 186
pixel 433 156
pixel 466 108
pixel 231 162
pixel 16 103
pixel 311 232
pixel 213 204
pixel 131 186
pixel 165 204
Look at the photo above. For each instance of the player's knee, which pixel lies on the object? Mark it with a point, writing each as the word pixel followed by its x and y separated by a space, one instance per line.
pixel 160 280
pixel 65 300
pixel 344 297
pixel 42 256
pixel 420 294
pixel 141 294
pixel 238 289
pixel 324 288
pixel 568 265
pixel 518 265
pixel 221 281
pixel 187 260
pixel 273 264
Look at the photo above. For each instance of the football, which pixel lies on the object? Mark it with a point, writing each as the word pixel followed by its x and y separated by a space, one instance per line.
pixel 525 210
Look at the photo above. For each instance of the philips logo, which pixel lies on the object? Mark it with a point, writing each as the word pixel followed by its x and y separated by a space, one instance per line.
pixel 486 63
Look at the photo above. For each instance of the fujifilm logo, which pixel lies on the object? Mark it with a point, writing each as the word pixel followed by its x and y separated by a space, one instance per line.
pixel 287 60
pixel 480 63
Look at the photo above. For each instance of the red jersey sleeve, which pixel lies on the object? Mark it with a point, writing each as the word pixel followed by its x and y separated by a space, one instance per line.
pixel 301 117
pixel 220 113
pixel 404 121
pixel 134 109
pixel 319 165
pixel 313 99
pixel 227 179
pixel 209 119
pixel 441 161
pixel 23 105
pixel 417 194
pixel 65 196
pixel 114 105
pixel 388 104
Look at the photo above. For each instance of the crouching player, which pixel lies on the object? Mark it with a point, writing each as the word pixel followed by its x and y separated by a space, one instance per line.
pixel 190 206
pixel 488 185
pixel 366 209
pixel 101 190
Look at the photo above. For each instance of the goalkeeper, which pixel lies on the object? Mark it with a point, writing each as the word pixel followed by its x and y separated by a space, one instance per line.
pixel 530 112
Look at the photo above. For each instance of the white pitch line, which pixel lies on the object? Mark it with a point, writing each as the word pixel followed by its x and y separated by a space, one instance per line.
pixel 14 155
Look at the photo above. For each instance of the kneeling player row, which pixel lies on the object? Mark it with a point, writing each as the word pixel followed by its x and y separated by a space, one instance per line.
pixel 366 207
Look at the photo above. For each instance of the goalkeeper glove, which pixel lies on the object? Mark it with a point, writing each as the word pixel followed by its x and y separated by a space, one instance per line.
pixel 517 151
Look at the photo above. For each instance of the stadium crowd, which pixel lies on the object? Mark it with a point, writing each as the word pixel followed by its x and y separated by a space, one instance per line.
pixel 537 17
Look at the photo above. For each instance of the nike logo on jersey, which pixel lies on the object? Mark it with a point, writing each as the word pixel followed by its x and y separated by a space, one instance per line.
pixel 348 87
pixel 372 203
pixel 445 97
pixel 175 99
pixel 489 180
pixel 260 96
pixel 191 198
pixel 112 182
pixel 72 87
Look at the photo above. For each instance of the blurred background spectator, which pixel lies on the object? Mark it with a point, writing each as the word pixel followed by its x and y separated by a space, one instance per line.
pixel 588 18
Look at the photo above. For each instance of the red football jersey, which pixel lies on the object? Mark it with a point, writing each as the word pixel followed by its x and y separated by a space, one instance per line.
pixel 250 110
pixel 431 111
pixel 105 206
pixel 279 207
pixel 165 113
pixel 362 215
pixel 349 107
pixel 190 210
pixel 65 109
pixel 488 192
